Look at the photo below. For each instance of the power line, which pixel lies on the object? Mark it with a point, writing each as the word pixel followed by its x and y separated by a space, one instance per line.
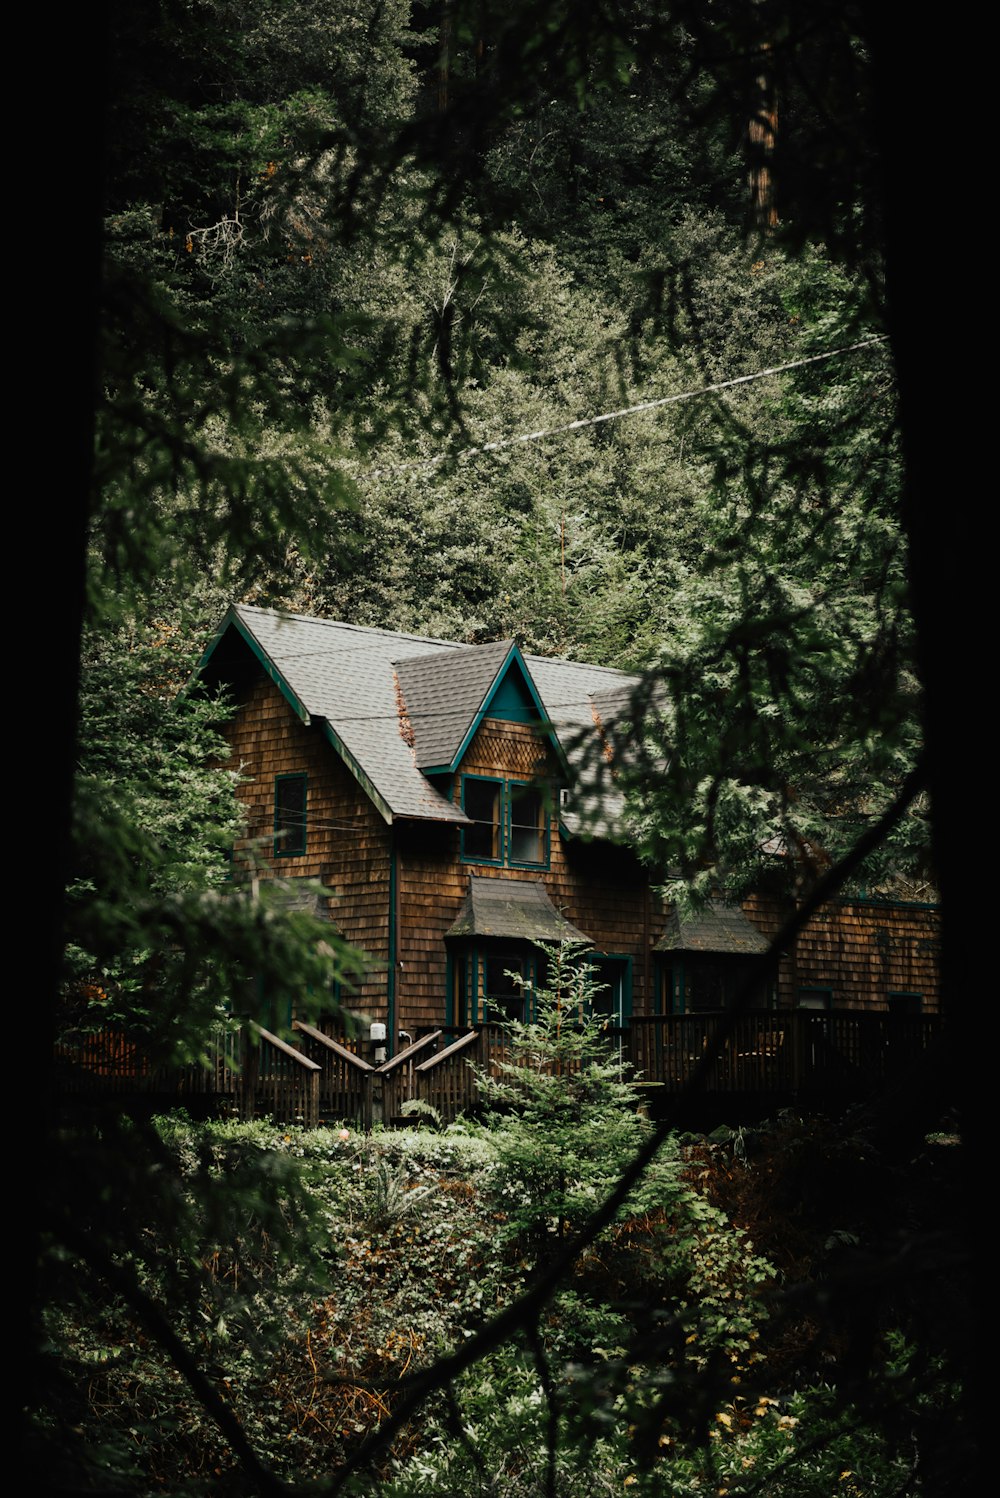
pixel 467 453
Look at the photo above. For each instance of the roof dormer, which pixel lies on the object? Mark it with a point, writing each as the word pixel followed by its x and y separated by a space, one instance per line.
pixel 447 697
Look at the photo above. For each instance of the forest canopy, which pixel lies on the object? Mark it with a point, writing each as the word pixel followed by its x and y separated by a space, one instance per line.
pixel 347 254
pixel 346 250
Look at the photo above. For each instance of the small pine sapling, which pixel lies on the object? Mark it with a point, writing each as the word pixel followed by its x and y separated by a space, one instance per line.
pixel 563 1108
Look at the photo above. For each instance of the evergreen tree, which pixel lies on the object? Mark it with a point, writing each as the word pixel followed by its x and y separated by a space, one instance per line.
pixel 566 1112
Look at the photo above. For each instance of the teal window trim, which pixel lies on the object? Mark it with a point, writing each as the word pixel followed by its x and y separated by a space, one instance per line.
pixel 461 976
pixel 621 1006
pixel 464 995
pixel 513 655
pixel 503 823
pixel 450 1005
pixel 510 789
pixel 286 817
pixel 498 819
pixel 526 962
pixel 468 971
pixel 669 988
pixel 627 962
pixel 470 977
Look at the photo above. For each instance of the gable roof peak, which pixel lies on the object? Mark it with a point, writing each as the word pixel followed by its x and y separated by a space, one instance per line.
pixel 342 678
pixel 447 697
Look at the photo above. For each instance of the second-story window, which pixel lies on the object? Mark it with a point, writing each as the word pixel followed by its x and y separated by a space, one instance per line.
pixel 482 800
pixel 527 824
pixel 289 814
pixel 510 823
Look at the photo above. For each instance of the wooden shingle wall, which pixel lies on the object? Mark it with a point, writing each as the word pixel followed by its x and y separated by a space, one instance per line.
pixel 603 893
pixel 861 951
pixel 347 841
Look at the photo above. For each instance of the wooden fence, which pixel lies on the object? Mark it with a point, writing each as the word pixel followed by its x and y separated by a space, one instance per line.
pixel 789 1054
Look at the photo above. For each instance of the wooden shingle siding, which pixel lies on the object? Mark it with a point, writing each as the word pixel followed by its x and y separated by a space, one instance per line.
pixel 601 891
pixel 860 950
pixel 347 841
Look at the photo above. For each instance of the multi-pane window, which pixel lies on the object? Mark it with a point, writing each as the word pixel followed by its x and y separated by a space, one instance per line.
pixel 482 800
pixel 527 824
pixel 289 814
pixel 509 823
pixel 504 994
pixel 494 981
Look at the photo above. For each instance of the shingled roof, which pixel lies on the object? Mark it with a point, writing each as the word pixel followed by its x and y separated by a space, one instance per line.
pixel 444 695
pixel 512 908
pixel 393 704
pixel 719 928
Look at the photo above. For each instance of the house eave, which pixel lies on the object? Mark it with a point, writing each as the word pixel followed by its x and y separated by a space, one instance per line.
pixel 233 621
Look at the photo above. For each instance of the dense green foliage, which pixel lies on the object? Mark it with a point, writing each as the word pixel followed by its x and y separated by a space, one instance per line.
pixel 345 244
pixel 346 249
pixel 665 1363
pixel 157 939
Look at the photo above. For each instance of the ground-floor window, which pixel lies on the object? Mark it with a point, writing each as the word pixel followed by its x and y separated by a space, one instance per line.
pixel 706 984
pixel 493 982
pixel 613 999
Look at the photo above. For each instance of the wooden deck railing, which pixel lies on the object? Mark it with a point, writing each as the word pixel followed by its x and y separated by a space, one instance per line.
pixel 397 1079
pixel 278 1081
pixel 117 1062
pixel 345 1078
pixel 780 1053
pixel 253 1071
pixel 447 1081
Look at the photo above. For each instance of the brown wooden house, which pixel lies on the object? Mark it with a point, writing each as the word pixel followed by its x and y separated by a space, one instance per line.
pixel 456 801
pixel 435 789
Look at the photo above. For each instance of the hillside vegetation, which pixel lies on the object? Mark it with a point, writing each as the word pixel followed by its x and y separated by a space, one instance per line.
pixel 346 247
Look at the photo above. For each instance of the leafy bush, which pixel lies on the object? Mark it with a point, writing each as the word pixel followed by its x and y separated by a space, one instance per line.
pixel 314 1273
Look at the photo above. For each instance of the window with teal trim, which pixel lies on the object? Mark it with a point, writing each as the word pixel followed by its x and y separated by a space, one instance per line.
pixel 493 982
pixel 510 823
pixel 612 1001
pixel 504 995
pixel 482 800
pixel 527 823
pixel 290 795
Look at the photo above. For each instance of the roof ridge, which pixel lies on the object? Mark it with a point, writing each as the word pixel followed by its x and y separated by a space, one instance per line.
pixel 361 629
pixel 562 660
pixel 403 636
pixel 483 645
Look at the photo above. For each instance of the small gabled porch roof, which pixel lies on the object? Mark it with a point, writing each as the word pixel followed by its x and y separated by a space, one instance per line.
pixel 516 909
pixel 718 928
